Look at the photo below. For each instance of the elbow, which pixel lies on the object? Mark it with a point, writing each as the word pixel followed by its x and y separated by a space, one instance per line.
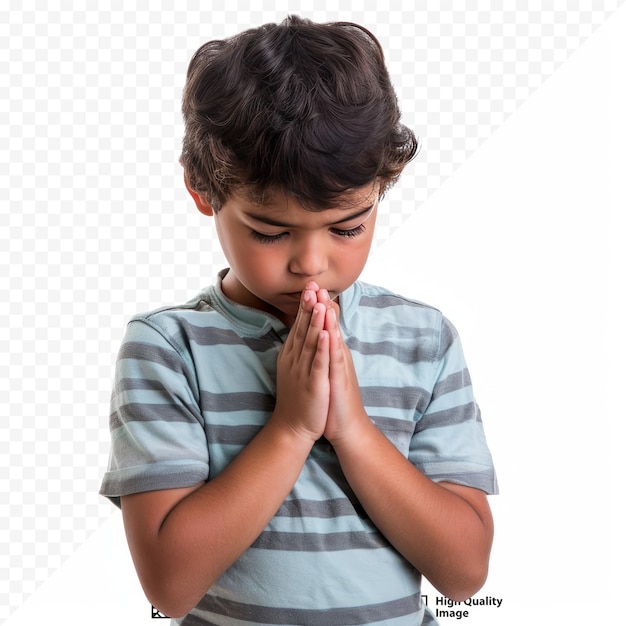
pixel 469 573
pixel 461 587
pixel 174 607
pixel 171 598
pixel 173 611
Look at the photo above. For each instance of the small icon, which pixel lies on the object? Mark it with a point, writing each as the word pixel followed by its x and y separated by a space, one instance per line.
pixel 156 614
pixel 425 599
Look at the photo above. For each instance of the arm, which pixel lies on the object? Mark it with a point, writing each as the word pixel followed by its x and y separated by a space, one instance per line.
pixel 182 540
pixel 444 530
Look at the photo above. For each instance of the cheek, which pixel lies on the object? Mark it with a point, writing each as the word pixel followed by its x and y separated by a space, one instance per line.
pixel 349 263
pixel 359 253
pixel 261 262
pixel 240 251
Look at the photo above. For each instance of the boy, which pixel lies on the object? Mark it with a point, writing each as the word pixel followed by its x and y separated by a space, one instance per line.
pixel 293 446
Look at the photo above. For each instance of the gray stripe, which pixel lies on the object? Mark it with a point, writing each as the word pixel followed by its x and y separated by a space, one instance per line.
pixel 139 412
pixel 385 300
pixel 210 335
pixel 454 382
pixel 194 620
pixel 263 344
pixel 347 616
pixel 395 397
pixel 237 401
pixel 391 349
pixel 146 352
pixel 213 336
pixel 319 542
pixel 126 384
pixel 334 507
pixel 450 417
pixel 239 435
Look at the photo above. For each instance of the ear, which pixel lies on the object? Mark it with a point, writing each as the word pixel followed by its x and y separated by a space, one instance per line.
pixel 201 202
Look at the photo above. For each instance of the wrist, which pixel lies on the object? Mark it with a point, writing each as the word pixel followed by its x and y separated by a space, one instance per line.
pixel 355 436
pixel 286 433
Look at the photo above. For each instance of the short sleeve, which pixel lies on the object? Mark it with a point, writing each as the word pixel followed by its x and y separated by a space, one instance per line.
pixel 157 430
pixel 449 441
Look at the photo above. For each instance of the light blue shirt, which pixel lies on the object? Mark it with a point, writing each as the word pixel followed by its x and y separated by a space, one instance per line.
pixel 195 383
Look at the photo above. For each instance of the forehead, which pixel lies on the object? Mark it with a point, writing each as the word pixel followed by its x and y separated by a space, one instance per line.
pixel 277 200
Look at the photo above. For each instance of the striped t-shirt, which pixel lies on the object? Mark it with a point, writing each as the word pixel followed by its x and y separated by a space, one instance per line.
pixel 195 383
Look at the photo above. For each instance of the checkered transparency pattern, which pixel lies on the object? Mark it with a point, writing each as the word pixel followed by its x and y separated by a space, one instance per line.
pixel 96 224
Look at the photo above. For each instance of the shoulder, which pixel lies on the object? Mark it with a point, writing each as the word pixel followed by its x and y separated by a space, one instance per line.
pixel 174 327
pixel 383 304
pixel 202 303
pixel 379 314
pixel 381 297
pixel 162 346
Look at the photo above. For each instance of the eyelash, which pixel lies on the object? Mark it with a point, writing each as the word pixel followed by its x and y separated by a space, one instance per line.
pixel 261 238
pixel 351 232
pixel 348 234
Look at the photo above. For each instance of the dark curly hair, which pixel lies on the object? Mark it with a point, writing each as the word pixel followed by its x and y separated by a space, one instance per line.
pixel 298 106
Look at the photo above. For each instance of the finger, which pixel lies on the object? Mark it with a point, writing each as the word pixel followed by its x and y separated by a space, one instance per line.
pixel 336 344
pixel 300 327
pixel 310 345
pixel 321 362
pixel 323 297
pixel 333 304
pixel 332 318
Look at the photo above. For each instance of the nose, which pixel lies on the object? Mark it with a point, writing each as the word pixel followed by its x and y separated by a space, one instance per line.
pixel 309 256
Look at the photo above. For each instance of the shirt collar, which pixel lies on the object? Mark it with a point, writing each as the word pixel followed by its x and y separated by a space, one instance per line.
pixel 253 322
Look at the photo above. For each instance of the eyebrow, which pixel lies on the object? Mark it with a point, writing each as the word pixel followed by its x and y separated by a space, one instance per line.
pixel 272 222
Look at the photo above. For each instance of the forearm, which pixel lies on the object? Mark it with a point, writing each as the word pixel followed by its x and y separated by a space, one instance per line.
pixel 446 537
pixel 212 526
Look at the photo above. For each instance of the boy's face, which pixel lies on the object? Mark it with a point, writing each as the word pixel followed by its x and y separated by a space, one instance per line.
pixel 276 248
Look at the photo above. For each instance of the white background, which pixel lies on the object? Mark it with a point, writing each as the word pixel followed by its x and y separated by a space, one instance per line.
pixel 509 221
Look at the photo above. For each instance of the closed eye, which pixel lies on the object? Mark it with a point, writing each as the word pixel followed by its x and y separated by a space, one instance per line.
pixel 341 232
pixel 266 238
pixel 350 232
